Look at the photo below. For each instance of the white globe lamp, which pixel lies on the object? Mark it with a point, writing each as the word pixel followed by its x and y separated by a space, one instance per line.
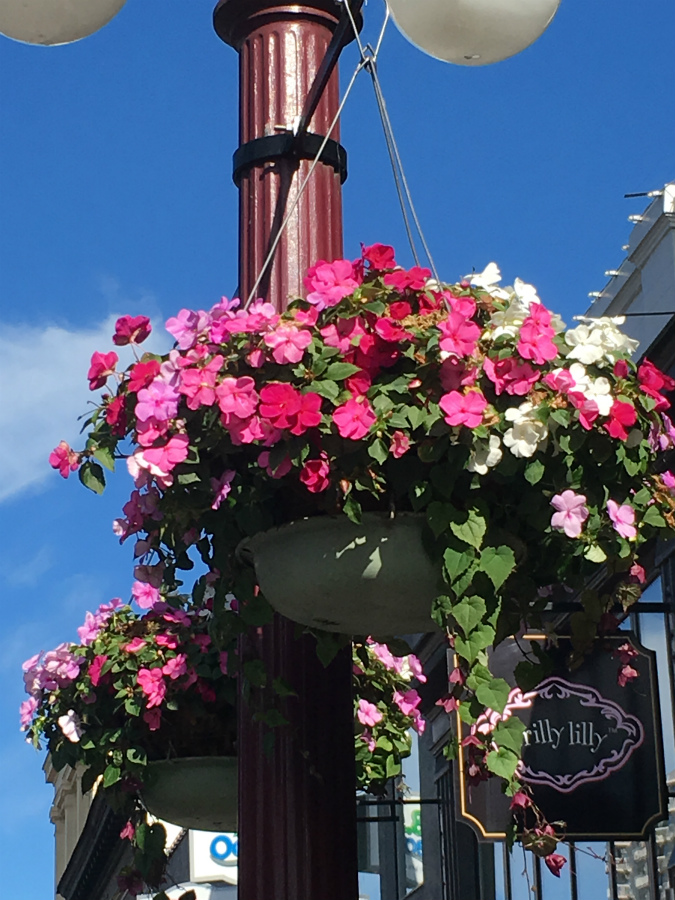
pixel 472 32
pixel 50 22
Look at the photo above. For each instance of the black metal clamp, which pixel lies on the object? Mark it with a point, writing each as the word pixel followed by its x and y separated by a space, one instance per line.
pixel 287 145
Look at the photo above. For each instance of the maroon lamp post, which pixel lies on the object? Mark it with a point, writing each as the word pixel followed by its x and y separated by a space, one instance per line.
pixel 297 812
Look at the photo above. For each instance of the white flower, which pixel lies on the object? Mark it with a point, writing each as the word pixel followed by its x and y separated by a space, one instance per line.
pixel 526 294
pixel 488 280
pixel 71 726
pixel 599 340
pixel 527 431
pixel 485 456
pixel 596 389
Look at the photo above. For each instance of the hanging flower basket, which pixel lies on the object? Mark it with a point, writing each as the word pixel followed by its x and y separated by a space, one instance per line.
pixel 375 577
pixel 193 792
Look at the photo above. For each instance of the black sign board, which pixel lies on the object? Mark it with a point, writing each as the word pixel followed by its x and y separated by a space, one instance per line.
pixel 593 751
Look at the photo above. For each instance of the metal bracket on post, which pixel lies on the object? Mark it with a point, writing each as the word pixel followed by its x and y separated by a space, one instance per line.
pixel 288 146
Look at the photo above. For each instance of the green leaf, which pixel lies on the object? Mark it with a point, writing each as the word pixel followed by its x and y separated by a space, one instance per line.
pixel 352 509
pixel 137 755
pixel 509 733
pixel 327 389
pixel 479 638
pixel 502 762
pixel 497 563
pixel 271 717
pixel 653 517
pixel 456 562
pixel 105 457
pixel 341 370
pixel 534 471
pixel 439 516
pixel 561 416
pixel 283 688
pixel 188 478
pixel 378 450
pixel 494 694
pixel 472 531
pixel 256 672
pixel 416 415
pixel 132 706
pixel 595 553
pixel 469 613
pixel 631 466
pixel 111 776
pixel 92 477
pixel 392 767
pixel 420 494
pixel 328 645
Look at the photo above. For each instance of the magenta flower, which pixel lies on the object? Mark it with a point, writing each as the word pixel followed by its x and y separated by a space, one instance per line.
pixel 102 365
pixel 161 460
pixel 185 326
pixel 221 487
pixel 328 282
pixel 96 669
pixel 135 645
pixel 368 714
pixel 459 335
pixel 511 376
pixel 152 684
pixel 407 702
pixel 354 418
pixel 315 474
pixel 463 409
pixel 571 513
pixel 288 343
pixel 554 863
pixel 400 444
pixel 175 667
pixel 199 385
pixel 623 519
pixel 64 459
pixel 237 396
pixel 131 330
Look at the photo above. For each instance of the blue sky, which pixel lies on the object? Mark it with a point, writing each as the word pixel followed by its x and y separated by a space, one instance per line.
pixel 116 197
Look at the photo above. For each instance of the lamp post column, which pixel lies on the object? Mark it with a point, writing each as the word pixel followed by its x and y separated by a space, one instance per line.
pixel 297 817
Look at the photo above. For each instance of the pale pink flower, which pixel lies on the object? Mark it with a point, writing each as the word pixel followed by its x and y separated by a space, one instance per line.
pixel 134 645
pixel 221 487
pixel 237 396
pixel 158 401
pixel 367 738
pixel 175 667
pixel 384 654
pixel 199 384
pixel 288 343
pixel 153 685
pixel 571 512
pixel 159 461
pixel 623 519
pixel 368 714
pixel 27 711
pixel 354 418
pixel 146 595
pixel 185 326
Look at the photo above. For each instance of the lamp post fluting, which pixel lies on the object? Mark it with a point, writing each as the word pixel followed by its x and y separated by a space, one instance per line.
pixel 297 819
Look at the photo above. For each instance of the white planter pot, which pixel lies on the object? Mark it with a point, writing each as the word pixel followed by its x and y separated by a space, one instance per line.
pixel 373 578
pixel 194 792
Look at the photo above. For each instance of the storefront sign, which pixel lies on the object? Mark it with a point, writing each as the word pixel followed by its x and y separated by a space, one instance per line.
pixel 592 753
pixel 213 857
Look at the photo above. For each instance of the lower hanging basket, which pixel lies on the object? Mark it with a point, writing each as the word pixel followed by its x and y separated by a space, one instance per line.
pixel 194 792
pixel 326 572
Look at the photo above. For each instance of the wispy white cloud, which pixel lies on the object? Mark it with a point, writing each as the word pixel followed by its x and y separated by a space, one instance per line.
pixel 43 390
pixel 28 572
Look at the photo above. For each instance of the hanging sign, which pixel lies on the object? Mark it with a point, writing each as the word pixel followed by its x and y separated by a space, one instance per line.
pixel 592 749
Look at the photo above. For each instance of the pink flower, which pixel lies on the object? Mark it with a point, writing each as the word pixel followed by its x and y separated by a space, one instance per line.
pixel 416 668
pixel 328 283
pixel 309 413
pixel 384 654
pixel 170 641
pixel 407 702
pixel 282 468
pixel 152 684
pixel 588 409
pixel 161 460
pixel 288 343
pixel 571 513
pixel 26 712
pixel 520 800
pixel 175 667
pixel 623 519
pixel 146 595
pixel 128 832
pixel 152 718
pixel 102 365
pixel 142 374
pixel 669 481
pixel 368 714
pixel 115 415
pixel 459 335
pixel 535 336
pixel 620 369
pixel 637 574
pixel 158 401
pixel 555 862
pixel 354 418
pixel 222 661
pixel 559 380
pixel 199 385
pixel 237 396
pixel 135 645
pixel 414 278
pixel 221 487
pixel 150 574
pixel 626 673
pixel 369 740
pixel 449 704
pixel 280 404
pixel 455 374
pixel 344 334
pixel 509 375
pixel 315 474
pixel 131 330
pixel 463 409
pixel 400 444
pixel 64 459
